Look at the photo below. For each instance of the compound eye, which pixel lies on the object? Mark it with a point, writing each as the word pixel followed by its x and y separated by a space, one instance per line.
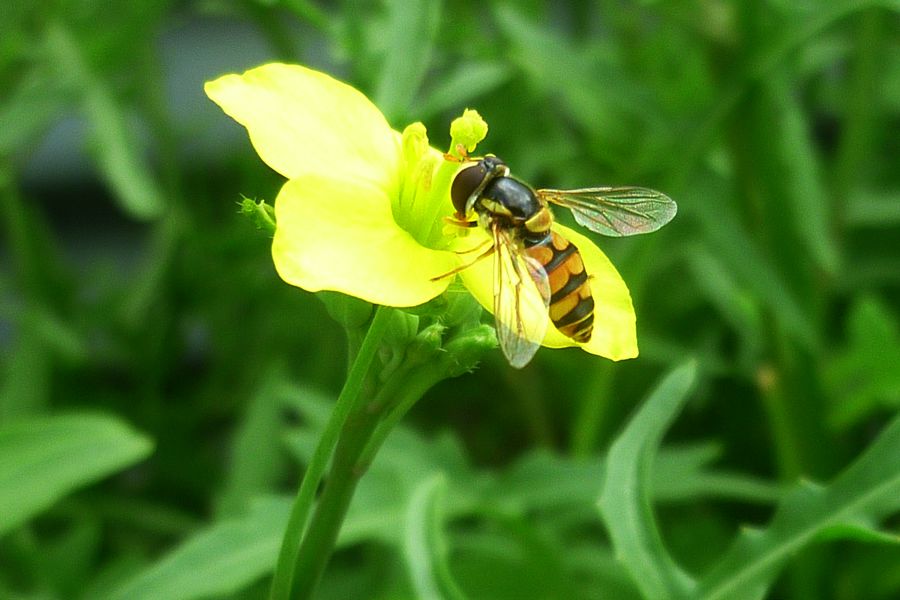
pixel 465 184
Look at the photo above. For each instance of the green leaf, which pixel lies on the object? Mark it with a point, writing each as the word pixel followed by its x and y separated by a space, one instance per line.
pixel 543 481
pixel 458 88
pixel 565 74
pixel 732 245
pixel 863 493
pixel 684 474
pixel 117 148
pixel 762 59
pixel 540 481
pixel 225 558
pixel 735 303
pixel 864 377
pixel 68 560
pixel 625 498
pixel 424 547
pixel 44 459
pixel 28 110
pixel 118 153
pixel 257 460
pixel 872 208
pixel 796 175
pixel 411 29
pixel 25 389
pixel 512 559
pixel 861 530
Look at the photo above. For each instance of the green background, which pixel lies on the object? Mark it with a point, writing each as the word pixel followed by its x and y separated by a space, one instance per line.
pixel 161 389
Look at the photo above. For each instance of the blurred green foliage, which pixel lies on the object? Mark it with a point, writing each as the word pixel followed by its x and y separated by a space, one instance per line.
pixel 161 389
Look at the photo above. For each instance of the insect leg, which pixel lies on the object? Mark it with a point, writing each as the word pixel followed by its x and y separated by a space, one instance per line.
pixel 475 249
pixel 452 272
pixel 460 222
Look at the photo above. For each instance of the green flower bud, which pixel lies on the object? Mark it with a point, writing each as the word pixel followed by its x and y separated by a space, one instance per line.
pixel 467 348
pixel 462 310
pixel 436 307
pixel 397 337
pixel 350 312
pixel 426 344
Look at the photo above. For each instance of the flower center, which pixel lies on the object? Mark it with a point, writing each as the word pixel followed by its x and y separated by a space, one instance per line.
pixel 424 198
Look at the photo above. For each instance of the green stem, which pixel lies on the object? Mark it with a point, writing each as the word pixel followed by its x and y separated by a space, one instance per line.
pixel 593 412
pixel 25 389
pixel 29 244
pixel 860 107
pixel 320 538
pixel 786 432
pixel 307 11
pixel 415 386
pixel 347 468
pixel 347 400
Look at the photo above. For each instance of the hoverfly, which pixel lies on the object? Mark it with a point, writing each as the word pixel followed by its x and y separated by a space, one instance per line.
pixel 535 268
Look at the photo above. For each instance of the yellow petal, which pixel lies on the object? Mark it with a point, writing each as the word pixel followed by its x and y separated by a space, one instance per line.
pixel 341 236
pixel 301 121
pixel 614 333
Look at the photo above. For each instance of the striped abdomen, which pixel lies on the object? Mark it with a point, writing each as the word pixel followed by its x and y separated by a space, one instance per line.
pixel 571 303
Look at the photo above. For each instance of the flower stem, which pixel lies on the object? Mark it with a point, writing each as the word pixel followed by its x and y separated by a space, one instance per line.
pixel 321 536
pixel 415 387
pixel 347 400
pixel 347 468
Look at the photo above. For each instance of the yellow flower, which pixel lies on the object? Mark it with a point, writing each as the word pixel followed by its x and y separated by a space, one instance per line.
pixel 362 210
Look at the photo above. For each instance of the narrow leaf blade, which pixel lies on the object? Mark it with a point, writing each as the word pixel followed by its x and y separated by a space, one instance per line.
pixel 424 547
pixel 44 459
pixel 863 493
pixel 625 499
pixel 222 560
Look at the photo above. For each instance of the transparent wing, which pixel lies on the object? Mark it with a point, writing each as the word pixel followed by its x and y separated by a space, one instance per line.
pixel 615 211
pixel 521 299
